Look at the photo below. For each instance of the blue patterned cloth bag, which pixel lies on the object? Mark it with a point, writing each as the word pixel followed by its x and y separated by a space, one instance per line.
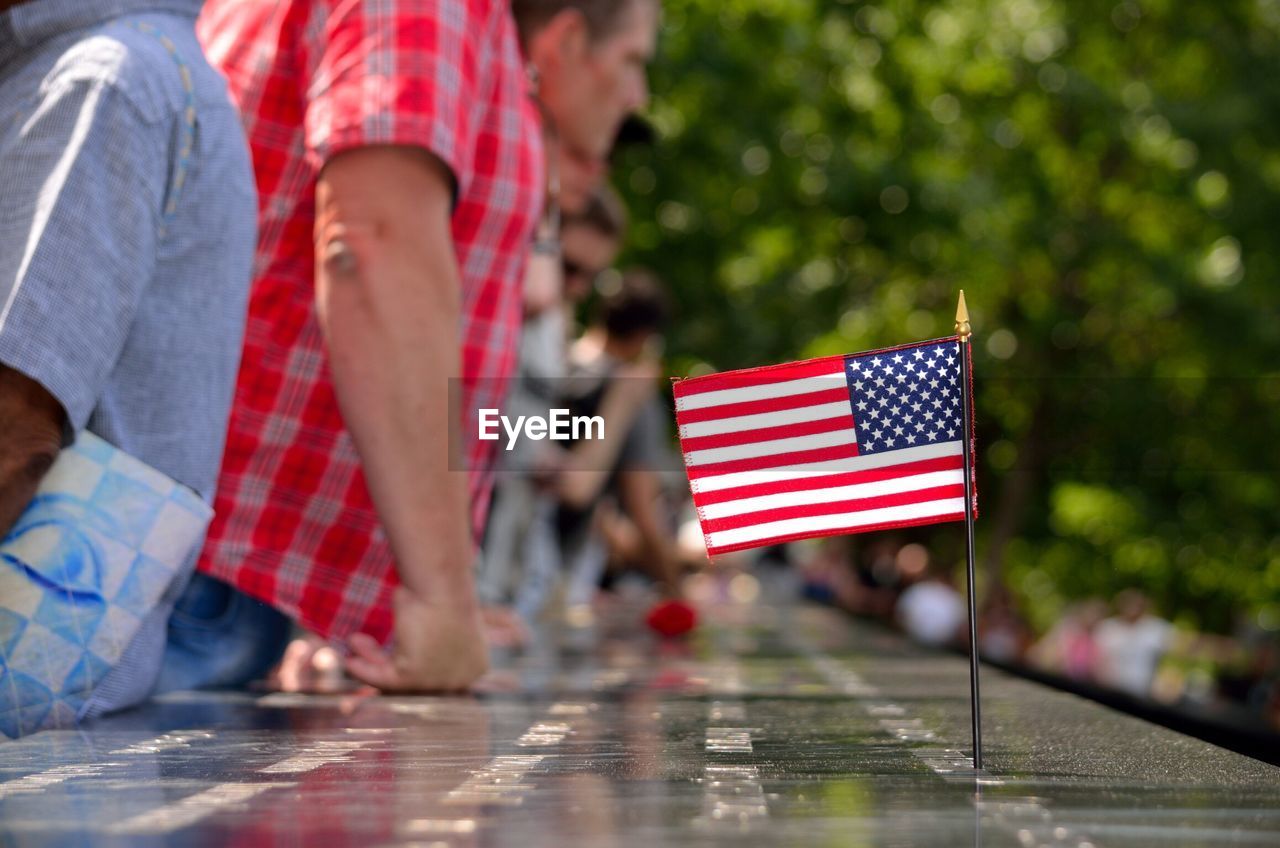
pixel 93 553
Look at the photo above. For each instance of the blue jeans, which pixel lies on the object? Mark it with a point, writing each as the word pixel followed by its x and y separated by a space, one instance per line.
pixel 220 637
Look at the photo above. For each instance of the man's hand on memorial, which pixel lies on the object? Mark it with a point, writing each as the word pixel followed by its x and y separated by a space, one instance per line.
pixel 439 646
pixel 31 420
pixel 310 664
pixel 503 627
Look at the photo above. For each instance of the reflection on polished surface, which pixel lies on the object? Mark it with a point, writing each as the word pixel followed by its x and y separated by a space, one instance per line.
pixel 780 725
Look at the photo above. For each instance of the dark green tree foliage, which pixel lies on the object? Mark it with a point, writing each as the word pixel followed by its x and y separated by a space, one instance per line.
pixel 1102 178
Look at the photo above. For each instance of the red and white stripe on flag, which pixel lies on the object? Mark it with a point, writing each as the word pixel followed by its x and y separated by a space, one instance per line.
pixel 842 444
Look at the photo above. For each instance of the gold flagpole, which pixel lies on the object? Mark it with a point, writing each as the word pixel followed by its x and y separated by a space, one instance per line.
pixel 964 334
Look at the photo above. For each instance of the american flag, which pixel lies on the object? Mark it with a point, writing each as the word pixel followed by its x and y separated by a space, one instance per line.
pixel 842 444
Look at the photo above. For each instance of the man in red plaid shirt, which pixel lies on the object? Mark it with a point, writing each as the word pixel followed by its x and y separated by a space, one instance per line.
pixel 400 173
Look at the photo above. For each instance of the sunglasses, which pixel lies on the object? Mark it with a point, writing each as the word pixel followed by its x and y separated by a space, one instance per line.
pixel 574 269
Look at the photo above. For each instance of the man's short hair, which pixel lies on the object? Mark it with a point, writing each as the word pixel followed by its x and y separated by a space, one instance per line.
pixel 603 17
pixel 638 305
pixel 605 213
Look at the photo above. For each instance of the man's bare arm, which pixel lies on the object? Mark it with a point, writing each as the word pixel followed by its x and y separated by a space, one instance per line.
pixel 31 422
pixel 388 296
pixel 588 465
pixel 638 490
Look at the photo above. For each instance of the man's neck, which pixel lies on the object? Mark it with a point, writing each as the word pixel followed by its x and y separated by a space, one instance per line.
pixel 6 5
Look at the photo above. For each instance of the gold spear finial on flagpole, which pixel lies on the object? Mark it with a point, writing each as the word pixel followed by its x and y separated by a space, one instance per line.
pixel 963 334
pixel 962 320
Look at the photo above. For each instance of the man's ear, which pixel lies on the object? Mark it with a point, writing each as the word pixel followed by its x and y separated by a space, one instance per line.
pixel 577 35
pixel 562 40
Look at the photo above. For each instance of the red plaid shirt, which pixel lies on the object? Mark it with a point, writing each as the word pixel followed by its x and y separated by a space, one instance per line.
pixel 295 525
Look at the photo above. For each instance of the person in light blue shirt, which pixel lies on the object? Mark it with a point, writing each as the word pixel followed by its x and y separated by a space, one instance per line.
pixel 127 228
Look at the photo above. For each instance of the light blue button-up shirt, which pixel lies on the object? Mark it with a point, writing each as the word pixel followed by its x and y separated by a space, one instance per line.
pixel 124 266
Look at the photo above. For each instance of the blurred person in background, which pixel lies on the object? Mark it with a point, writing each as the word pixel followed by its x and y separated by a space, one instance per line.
pixel 521 528
pixel 1131 644
pixel 862 574
pixel 930 609
pixel 612 373
pixel 1003 634
pixel 521 545
pixel 578 110
pixel 826 570
pixel 1070 647
pixel 880 580
pixel 631 544
pixel 1259 680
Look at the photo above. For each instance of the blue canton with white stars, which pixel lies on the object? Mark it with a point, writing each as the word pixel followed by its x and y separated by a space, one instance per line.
pixel 905 398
